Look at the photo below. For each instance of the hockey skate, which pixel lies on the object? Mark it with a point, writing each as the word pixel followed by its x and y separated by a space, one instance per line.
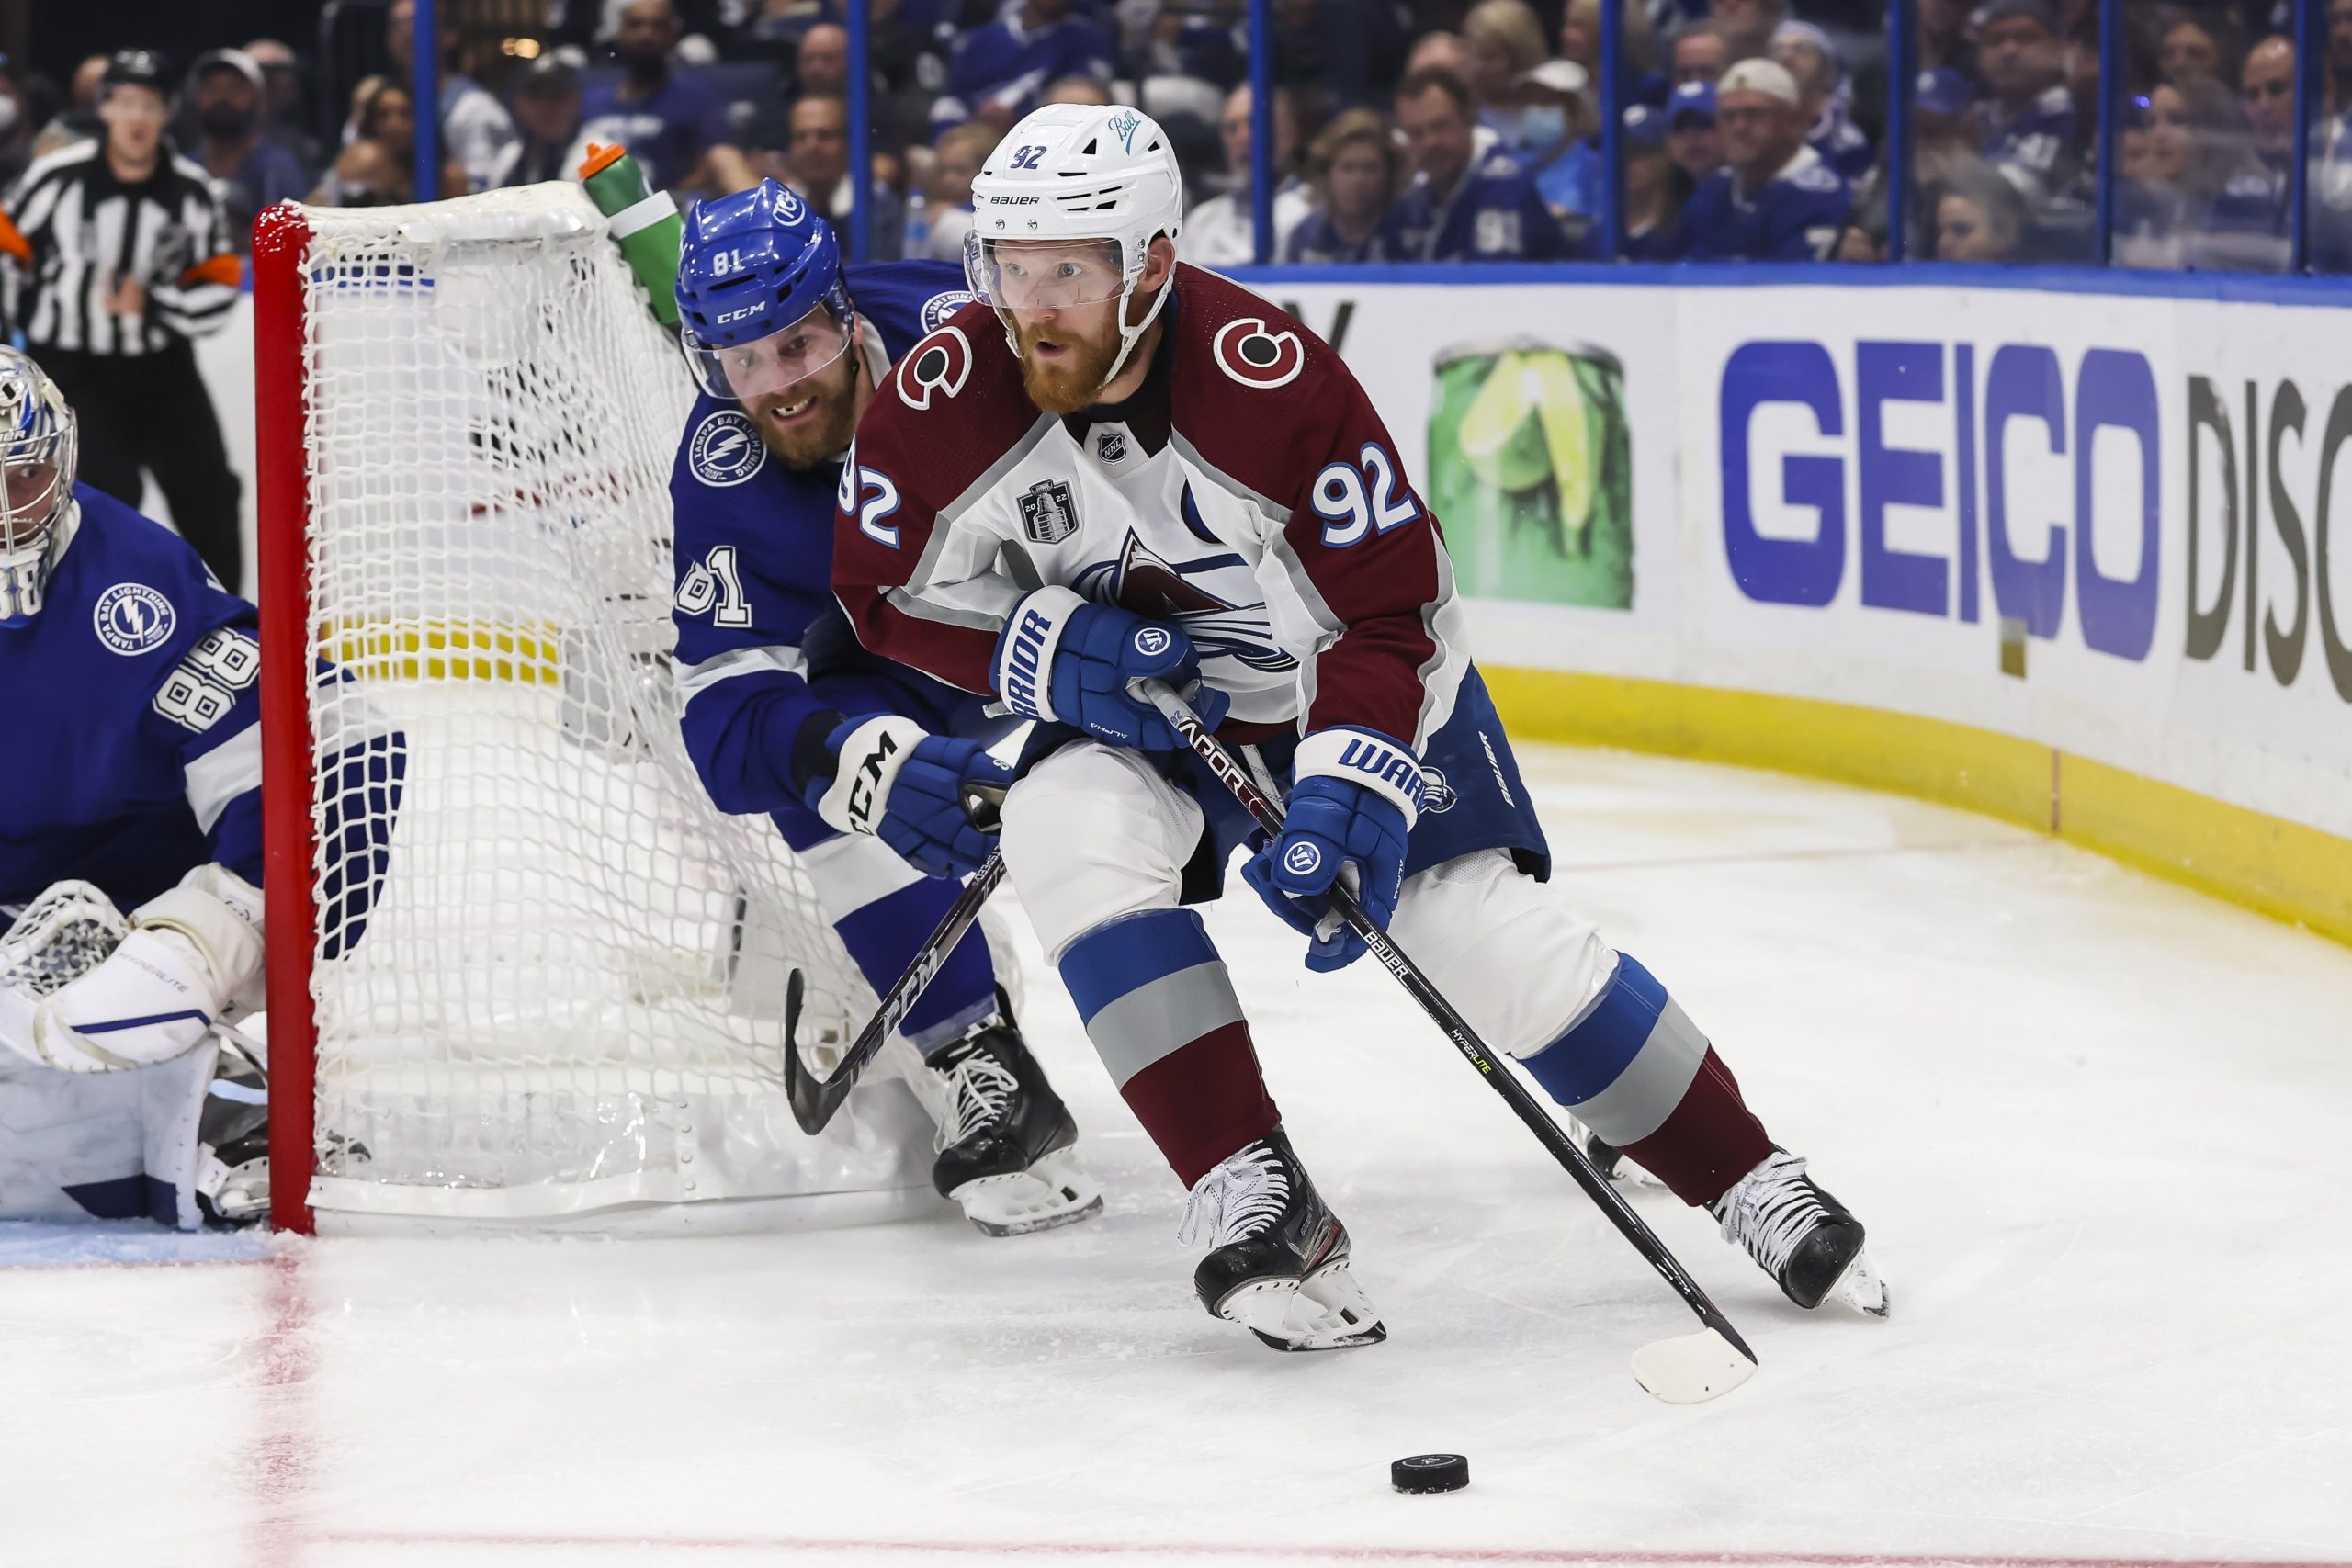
pixel 1279 1260
pixel 1801 1236
pixel 1006 1145
pixel 232 1145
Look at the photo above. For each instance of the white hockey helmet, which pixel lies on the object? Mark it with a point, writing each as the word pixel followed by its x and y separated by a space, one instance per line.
pixel 1076 172
pixel 38 445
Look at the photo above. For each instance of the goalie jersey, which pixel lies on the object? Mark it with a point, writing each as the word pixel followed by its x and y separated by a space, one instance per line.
pixel 132 707
pixel 754 603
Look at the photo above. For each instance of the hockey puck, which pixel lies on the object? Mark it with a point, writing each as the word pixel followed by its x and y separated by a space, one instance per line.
pixel 1430 1472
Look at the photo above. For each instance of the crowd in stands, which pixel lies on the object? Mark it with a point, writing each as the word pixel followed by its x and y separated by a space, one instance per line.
pixel 1423 131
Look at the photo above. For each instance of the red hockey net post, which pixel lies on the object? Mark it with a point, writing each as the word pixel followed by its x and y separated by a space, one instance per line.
pixel 281 240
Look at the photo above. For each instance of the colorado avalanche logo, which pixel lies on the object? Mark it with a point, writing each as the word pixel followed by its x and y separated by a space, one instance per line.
pixel 725 449
pixel 1142 581
pixel 939 307
pixel 132 618
pixel 1254 356
pixel 939 364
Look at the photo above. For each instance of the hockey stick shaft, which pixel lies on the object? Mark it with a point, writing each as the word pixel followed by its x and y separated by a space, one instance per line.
pixel 815 1100
pixel 1269 816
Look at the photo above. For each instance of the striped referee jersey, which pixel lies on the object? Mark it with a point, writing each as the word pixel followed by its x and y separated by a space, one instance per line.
pixel 71 231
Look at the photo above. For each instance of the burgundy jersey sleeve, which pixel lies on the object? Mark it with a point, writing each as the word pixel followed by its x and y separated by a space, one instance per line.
pixel 1271 405
pixel 915 588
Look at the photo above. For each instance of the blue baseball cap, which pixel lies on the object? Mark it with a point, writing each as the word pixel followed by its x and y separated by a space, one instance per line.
pixel 1691 98
pixel 1644 127
pixel 1945 92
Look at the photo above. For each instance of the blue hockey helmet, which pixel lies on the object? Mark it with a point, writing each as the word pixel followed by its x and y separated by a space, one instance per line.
pixel 760 302
pixel 37 449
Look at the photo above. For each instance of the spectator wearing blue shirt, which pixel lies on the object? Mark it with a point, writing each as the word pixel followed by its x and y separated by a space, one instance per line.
pixel 2029 130
pixel 1355 169
pixel 1776 200
pixel 1566 164
pixel 1461 207
pixel 1692 139
pixel 1653 192
pixel 998 70
pixel 1805 52
pixel 673 125
pixel 249 171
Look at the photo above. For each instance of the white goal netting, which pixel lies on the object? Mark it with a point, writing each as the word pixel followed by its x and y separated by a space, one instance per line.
pixel 567 997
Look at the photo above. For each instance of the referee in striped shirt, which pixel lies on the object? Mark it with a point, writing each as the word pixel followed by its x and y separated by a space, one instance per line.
pixel 114 253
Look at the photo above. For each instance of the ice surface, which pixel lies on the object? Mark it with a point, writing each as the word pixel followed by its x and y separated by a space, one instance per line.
pixel 2097 1127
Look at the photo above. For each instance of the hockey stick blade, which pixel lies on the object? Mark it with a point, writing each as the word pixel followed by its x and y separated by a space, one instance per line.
pixel 1692 1368
pixel 813 1100
pixel 1681 1371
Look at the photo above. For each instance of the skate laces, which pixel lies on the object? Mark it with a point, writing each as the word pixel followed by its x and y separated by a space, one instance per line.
pixel 1771 1209
pixel 1246 1193
pixel 978 1088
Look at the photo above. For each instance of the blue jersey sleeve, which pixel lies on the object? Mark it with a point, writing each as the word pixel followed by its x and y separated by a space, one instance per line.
pixel 1807 214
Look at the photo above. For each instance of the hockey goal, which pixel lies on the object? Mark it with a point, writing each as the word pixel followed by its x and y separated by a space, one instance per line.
pixel 564 1007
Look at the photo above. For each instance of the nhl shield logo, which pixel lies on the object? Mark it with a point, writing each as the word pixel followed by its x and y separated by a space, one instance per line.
pixel 1047 514
pixel 1111 445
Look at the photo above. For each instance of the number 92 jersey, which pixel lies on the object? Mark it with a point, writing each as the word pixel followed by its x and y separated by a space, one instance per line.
pixel 132 700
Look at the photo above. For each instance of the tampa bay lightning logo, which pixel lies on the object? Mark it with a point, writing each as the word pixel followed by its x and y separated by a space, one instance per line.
pixel 939 307
pixel 1162 590
pixel 725 449
pixel 132 618
pixel 1436 795
pixel 1301 859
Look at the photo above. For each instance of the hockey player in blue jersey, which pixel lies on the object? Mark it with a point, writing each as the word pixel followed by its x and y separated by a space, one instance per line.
pixel 852 756
pixel 1775 200
pixel 132 706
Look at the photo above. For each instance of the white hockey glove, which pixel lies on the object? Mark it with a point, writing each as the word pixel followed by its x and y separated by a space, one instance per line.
pixel 192 955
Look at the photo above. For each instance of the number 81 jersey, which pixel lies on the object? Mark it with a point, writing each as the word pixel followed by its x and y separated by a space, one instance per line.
pixel 1247 492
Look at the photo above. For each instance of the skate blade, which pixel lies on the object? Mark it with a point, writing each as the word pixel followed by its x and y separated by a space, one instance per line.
pixel 1327 1310
pixel 1692 1368
pixel 1860 1288
pixel 1054 1192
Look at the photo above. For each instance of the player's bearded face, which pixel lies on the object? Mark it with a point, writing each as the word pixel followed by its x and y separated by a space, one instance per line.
pixel 1063 298
pixel 810 421
pixel 1065 355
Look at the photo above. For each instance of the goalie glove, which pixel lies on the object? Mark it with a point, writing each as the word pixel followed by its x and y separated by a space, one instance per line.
pixel 192 954
pixel 919 792
pixel 1353 802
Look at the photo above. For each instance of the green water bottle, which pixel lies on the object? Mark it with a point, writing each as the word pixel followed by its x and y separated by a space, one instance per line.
pixel 644 221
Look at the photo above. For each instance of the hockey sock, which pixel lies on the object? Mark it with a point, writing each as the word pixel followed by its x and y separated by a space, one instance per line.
pixel 1636 1070
pixel 883 937
pixel 1161 1012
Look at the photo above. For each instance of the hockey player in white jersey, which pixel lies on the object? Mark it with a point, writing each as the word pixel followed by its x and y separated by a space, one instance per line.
pixel 132 704
pixel 1117 466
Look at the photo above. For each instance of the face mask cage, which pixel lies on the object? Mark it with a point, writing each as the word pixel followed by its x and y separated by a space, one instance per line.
pixel 774 364
pixel 36 461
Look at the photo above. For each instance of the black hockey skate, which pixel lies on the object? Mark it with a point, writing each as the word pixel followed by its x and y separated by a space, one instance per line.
pixel 1006 1145
pixel 232 1147
pixel 1279 1262
pixel 1801 1236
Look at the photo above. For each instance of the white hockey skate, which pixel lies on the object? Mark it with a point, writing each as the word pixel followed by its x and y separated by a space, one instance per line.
pixel 1801 1236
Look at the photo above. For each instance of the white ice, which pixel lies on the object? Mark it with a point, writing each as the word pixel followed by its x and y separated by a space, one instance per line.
pixel 2098 1127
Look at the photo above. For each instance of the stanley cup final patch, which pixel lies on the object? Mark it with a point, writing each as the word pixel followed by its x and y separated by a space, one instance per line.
pixel 1048 515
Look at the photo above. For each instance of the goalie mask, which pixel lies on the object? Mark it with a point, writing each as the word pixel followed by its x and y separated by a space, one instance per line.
pixel 1065 210
pixel 36 459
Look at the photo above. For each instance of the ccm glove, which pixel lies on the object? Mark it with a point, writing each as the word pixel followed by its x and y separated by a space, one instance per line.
pixel 896 779
pixel 1353 802
pixel 1064 659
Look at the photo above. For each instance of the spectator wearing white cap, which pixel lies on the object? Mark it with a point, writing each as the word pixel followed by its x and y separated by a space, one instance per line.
pixel 227 95
pixel 1776 200
pixel 1805 52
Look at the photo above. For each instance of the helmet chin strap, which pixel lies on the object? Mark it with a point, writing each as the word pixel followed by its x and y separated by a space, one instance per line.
pixel 1130 336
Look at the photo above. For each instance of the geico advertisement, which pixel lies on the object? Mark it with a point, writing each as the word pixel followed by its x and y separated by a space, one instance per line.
pixel 2112 525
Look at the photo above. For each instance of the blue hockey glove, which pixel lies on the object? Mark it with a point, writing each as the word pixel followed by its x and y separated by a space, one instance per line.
pixel 896 779
pixel 1356 797
pixel 1066 659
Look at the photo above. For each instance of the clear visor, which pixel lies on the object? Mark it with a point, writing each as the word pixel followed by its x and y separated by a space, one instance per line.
pixel 770 365
pixel 1043 274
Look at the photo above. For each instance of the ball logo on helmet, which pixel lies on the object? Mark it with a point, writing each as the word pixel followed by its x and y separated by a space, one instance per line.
pixel 1124 125
pixel 1251 355
pixel 939 364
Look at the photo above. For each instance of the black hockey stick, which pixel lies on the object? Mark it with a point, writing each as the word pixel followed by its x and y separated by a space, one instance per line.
pixel 1682 1370
pixel 814 1099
